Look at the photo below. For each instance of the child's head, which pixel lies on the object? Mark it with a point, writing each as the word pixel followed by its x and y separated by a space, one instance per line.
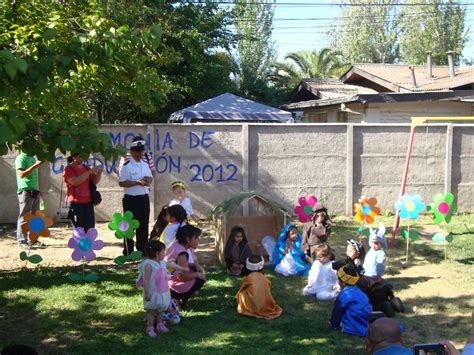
pixel 347 275
pixel 377 237
pixel 320 213
pixel 237 235
pixel 176 214
pixel 292 233
pixel 179 190
pixel 255 263
pixel 324 253
pixel 355 250
pixel 155 249
pixel 188 236
pixel 376 241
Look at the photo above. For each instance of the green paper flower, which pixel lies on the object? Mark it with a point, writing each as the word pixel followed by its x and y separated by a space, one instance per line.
pixel 413 234
pixel 124 225
pixel 34 259
pixel 442 207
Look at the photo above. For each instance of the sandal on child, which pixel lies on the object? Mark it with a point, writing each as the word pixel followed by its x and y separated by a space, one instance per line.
pixel 151 332
pixel 162 328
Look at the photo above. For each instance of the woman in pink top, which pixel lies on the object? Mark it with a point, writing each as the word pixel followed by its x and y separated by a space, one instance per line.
pixel 77 177
pixel 184 284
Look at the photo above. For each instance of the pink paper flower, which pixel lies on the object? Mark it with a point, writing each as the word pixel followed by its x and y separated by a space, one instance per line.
pixel 305 208
pixel 84 244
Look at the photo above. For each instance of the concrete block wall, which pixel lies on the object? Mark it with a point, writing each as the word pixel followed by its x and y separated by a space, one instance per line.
pixel 335 162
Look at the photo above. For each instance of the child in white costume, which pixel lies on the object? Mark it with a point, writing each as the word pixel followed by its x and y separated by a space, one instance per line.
pixel 322 279
pixel 154 276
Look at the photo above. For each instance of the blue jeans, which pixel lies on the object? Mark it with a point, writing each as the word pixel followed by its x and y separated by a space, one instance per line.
pixel 27 203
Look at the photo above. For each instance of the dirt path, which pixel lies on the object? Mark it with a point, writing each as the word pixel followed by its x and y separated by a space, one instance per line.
pixel 57 253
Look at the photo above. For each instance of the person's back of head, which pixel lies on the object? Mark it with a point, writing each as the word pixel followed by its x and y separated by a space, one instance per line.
pixel 18 350
pixel 177 213
pixel 348 275
pixel 382 333
pixel 255 263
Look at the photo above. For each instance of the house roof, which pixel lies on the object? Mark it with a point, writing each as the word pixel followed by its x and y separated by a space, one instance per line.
pixel 458 95
pixel 397 77
pixel 229 107
pixel 326 89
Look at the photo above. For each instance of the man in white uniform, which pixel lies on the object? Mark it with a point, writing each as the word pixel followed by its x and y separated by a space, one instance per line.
pixel 135 177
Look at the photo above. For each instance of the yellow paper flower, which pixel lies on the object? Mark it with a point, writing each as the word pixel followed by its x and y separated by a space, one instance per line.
pixel 37 225
pixel 365 210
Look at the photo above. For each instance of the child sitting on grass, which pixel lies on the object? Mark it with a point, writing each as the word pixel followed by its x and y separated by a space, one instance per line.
pixel 179 190
pixel 254 298
pixel 351 310
pixel 287 255
pixel 160 224
pixel 237 251
pixel 355 254
pixel 154 277
pixel 322 279
pixel 177 217
pixel 375 260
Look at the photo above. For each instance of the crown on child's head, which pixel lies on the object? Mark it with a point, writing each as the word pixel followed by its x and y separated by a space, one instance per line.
pixel 348 275
pixel 255 263
pixel 178 184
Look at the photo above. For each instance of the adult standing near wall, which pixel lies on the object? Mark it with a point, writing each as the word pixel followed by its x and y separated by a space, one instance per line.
pixel 27 180
pixel 77 177
pixel 135 177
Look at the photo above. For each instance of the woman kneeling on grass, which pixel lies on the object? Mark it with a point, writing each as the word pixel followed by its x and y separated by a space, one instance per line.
pixel 184 284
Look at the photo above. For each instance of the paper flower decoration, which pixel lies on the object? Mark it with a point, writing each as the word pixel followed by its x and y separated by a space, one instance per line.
pixel 440 238
pixel 365 210
pixel 442 207
pixel 37 225
pixel 410 206
pixel 84 244
pixel 305 208
pixel 124 225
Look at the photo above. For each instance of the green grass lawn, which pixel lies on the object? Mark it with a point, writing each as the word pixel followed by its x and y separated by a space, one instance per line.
pixel 43 309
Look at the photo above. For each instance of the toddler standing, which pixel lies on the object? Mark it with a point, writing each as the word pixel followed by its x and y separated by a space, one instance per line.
pixel 375 260
pixel 154 276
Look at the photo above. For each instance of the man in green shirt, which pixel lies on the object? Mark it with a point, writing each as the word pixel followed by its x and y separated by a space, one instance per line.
pixel 28 191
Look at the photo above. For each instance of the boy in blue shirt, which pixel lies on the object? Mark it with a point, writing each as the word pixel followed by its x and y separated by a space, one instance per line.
pixel 375 260
pixel 352 310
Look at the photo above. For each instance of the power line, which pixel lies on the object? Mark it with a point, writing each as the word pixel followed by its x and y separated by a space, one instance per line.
pixel 316 4
pixel 414 14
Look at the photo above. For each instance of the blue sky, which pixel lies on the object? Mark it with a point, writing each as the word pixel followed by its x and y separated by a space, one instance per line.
pixel 293 35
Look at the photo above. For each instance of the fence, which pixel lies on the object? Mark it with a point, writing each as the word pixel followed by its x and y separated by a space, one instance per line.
pixel 335 162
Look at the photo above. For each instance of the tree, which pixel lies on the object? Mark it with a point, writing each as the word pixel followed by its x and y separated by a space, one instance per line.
pixel 438 27
pixel 255 49
pixel 324 63
pixel 191 60
pixel 54 60
pixel 367 33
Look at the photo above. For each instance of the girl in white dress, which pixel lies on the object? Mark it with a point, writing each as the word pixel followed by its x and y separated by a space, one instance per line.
pixel 322 279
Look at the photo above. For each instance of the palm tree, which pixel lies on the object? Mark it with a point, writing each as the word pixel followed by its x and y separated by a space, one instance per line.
pixel 308 64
